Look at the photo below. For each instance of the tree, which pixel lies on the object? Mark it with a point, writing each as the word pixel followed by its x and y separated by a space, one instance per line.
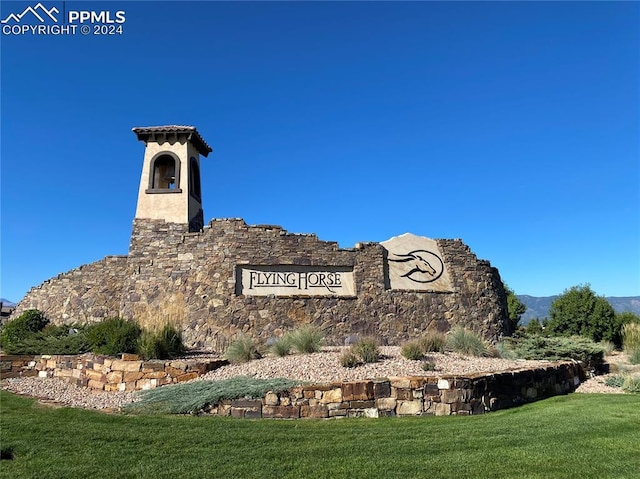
pixel 579 311
pixel 515 307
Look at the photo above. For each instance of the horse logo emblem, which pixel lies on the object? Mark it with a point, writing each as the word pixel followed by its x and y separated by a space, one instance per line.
pixel 422 266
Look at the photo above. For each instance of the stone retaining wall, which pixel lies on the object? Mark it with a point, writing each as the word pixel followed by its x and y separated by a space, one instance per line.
pixel 106 373
pixel 398 396
pixel 412 396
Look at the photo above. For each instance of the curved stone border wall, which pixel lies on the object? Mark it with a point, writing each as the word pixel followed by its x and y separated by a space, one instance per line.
pixel 398 396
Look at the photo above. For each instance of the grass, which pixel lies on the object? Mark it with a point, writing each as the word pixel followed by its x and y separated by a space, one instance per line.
pixel 466 342
pixel 242 350
pixel 577 436
pixel 631 341
pixel 306 339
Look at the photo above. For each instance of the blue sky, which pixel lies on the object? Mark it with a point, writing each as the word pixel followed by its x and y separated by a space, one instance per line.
pixel 511 125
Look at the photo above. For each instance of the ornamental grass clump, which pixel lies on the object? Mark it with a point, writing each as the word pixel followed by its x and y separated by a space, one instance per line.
pixel 242 350
pixel 349 360
pixel 433 342
pixel 280 346
pixel 163 344
pixel 466 342
pixel 307 339
pixel 631 341
pixel 412 350
pixel 367 350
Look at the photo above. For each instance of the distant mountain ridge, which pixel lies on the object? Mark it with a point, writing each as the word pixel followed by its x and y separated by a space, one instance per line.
pixel 539 306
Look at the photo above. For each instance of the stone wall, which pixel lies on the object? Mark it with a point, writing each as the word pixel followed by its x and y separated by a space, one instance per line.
pixel 83 295
pixel 411 396
pixel 398 396
pixel 170 270
pixel 98 372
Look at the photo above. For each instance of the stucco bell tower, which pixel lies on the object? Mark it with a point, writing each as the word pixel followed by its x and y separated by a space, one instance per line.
pixel 170 187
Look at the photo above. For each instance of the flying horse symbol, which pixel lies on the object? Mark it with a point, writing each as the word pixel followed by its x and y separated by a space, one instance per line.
pixel 421 270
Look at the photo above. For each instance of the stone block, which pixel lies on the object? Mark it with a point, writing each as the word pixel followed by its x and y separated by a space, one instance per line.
pixel 144 384
pixel 92 374
pixel 338 413
pixel 285 401
pixel 361 404
pixel 45 374
pixel 402 394
pixel 152 366
pixel 370 412
pixel 444 384
pixel 281 412
pixel 129 357
pixel 187 377
pixel 126 366
pixel 442 409
pixel 173 372
pixel 357 391
pixel 314 411
pixel 416 382
pixel 93 384
pixel 332 396
pixel 112 387
pixel 154 375
pixel 402 382
pixel 181 365
pixel 386 403
pixel 271 399
pixel 130 377
pixel 381 389
pixel 247 403
pixel 409 408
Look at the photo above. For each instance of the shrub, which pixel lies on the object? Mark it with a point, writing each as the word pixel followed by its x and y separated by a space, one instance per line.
pixel 433 342
pixel 163 344
pixel 557 348
pixel 631 384
pixel 242 350
pixel 631 341
pixel 113 336
pixel 614 381
pixel 307 339
pixel 367 350
pixel 280 346
pixel 29 322
pixel 412 350
pixel 505 350
pixel 428 366
pixel 464 341
pixel 191 398
pixel 607 347
pixel 349 360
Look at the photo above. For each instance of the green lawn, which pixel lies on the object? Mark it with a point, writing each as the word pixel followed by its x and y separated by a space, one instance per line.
pixel 582 436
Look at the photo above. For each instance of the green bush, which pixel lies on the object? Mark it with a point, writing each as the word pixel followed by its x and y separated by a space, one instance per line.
pixel 614 381
pixel 631 384
pixel 307 339
pixel 367 350
pixel 164 344
pixel 280 346
pixel 195 397
pixel 349 360
pixel 28 323
pixel 113 336
pixel 242 350
pixel 433 342
pixel 557 348
pixel 428 366
pixel 412 350
pixel 464 341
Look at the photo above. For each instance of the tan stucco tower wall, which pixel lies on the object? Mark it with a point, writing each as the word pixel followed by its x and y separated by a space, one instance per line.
pixel 170 181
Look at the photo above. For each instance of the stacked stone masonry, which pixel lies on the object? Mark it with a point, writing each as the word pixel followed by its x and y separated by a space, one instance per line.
pixel 128 373
pixel 399 396
pixel 169 268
